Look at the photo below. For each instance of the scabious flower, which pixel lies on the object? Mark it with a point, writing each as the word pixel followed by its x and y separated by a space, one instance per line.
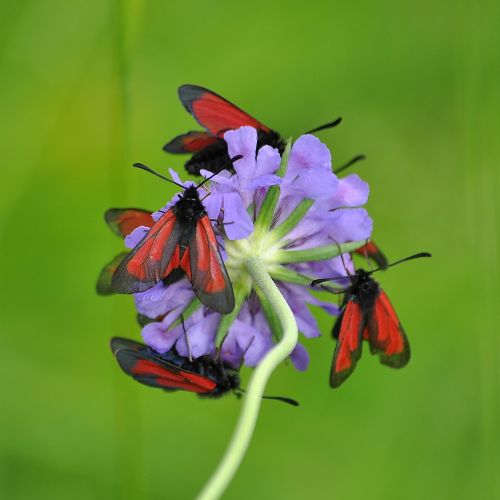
pixel 291 212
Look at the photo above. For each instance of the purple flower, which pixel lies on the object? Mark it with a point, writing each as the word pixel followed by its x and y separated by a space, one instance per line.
pixel 335 216
pixel 162 299
pixel 231 195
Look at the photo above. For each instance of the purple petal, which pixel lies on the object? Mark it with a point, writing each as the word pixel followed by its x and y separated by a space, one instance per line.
pixel 176 178
pixel 300 358
pixel 268 161
pixel 263 181
pixel 135 237
pixel 352 191
pixel 314 183
pixel 200 334
pixel 242 141
pixel 213 205
pixel 159 337
pixel 160 299
pixel 239 224
pixel 308 152
pixel 350 224
pixel 219 182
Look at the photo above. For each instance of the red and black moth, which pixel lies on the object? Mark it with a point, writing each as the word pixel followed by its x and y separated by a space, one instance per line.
pixel 367 314
pixel 204 376
pixel 217 115
pixel 171 372
pixel 181 240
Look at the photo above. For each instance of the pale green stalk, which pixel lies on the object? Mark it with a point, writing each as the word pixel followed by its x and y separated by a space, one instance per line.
pixel 253 397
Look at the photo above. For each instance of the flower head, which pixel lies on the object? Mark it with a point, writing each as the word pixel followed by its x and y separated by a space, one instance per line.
pixel 295 216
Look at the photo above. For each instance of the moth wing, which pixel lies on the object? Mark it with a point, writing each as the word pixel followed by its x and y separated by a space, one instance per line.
pixel 148 369
pixel 349 344
pixel 215 113
pixel 122 221
pixel 191 142
pixel 103 285
pixel 205 268
pixel 152 260
pixel 386 335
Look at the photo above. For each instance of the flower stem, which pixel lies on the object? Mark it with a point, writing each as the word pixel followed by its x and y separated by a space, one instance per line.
pixel 253 397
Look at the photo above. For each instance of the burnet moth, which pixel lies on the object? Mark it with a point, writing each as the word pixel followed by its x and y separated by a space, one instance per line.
pixel 366 314
pixel 181 240
pixel 171 372
pixel 217 115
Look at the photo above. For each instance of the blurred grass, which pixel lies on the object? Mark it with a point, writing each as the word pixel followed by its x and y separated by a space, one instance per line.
pixel 417 85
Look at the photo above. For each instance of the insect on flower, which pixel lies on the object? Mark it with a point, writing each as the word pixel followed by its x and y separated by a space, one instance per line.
pixel 217 115
pixel 367 314
pixel 172 372
pixel 181 240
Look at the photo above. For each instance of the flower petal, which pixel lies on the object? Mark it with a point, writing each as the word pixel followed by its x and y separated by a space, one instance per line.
pixel 239 224
pixel 350 224
pixel 352 191
pixel 308 152
pixel 200 333
pixel 160 299
pixel 158 336
pixel 242 141
pixel 300 357
pixel 135 237
pixel 268 161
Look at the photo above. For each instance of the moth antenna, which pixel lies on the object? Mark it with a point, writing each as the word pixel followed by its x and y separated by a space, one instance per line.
pixel 411 257
pixel 233 160
pixel 326 125
pixel 352 161
pixel 151 171
pixel 341 256
pixel 289 401
pixel 322 280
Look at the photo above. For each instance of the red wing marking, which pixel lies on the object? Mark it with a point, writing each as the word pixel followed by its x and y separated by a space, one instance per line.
pixel 152 259
pixel 152 250
pixel 155 371
pixel 164 376
pixel 123 221
pixel 209 263
pixel 215 113
pixel 348 349
pixel 387 337
pixel 185 264
pixel 208 274
pixel 191 142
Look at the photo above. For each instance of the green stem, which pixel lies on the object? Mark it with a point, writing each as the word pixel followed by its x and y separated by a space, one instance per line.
pixel 253 397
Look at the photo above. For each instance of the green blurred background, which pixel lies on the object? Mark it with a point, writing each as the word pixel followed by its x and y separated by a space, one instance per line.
pixel 89 87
